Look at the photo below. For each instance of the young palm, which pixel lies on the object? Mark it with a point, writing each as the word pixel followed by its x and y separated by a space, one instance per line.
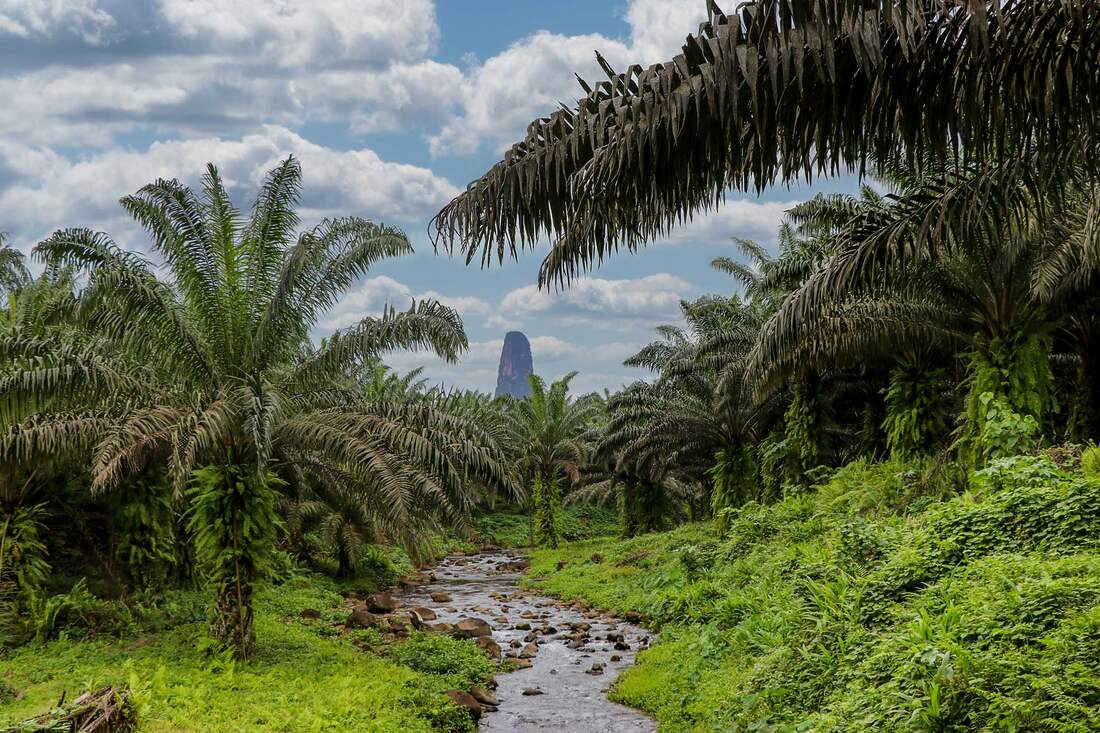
pixel 547 430
pixel 212 369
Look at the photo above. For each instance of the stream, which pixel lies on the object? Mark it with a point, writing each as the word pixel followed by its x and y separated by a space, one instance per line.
pixel 575 654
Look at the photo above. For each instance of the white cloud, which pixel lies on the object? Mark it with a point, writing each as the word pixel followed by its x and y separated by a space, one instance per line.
pixel 658 28
pixel 740 218
pixel 373 294
pixel 290 33
pixel 530 78
pixel 46 191
pixel 45 18
pixel 599 301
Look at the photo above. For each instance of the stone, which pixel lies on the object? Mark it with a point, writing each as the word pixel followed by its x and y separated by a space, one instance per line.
pixel 444 628
pixel 467 701
pixel 441 597
pixel 522 627
pixel 529 691
pixel 424 614
pixel 621 646
pixel 490 647
pixel 596 668
pixel 310 613
pixel 382 603
pixel 529 651
pixel 361 618
pixel 616 657
pixel 633 617
pixel 561 564
pixel 515 367
pixel 520 663
pixel 471 628
pixel 484 697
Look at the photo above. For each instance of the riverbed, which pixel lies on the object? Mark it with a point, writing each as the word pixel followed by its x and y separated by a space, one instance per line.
pixel 574 653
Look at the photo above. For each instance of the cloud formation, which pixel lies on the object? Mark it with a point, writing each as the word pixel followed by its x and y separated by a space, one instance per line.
pixel 44 190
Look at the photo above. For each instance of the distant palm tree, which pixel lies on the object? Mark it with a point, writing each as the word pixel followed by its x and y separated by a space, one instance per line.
pixel 547 430
pixel 13 269
pixel 211 372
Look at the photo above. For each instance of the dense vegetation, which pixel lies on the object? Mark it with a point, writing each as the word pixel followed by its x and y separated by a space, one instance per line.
pixel 860 490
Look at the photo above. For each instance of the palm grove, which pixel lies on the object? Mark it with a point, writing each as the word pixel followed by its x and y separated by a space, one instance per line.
pixel 944 315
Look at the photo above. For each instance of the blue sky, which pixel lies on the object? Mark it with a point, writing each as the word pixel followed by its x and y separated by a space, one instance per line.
pixel 391 105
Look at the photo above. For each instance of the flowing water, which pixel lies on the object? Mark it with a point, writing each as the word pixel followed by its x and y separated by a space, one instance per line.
pixel 577 653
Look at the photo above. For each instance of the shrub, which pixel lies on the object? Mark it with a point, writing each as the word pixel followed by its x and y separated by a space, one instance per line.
pixel 459 661
pixel 1090 461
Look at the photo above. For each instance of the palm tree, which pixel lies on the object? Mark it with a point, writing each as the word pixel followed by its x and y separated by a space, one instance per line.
pixel 13 269
pixel 211 372
pixel 785 90
pixel 982 261
pixel 699 414
pixel 547 430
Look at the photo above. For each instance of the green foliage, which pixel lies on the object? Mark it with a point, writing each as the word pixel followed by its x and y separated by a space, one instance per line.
pixel 546 498
pixel 145 522
pixel 831 611
pixel 1009 392
pixel 916 418
pixel 234 524
pixel 299 680
pixel 1090 462
pixel 735 482
pixel 512 528
pixel 801 434
pixel 458 661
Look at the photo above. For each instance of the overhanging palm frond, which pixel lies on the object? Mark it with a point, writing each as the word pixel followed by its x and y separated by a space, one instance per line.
pixel 785 89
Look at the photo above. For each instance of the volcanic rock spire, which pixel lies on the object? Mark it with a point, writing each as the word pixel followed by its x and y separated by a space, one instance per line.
pixel 515 366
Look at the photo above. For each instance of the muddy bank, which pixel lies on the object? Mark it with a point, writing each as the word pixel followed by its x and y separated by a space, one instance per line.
pixel 569 656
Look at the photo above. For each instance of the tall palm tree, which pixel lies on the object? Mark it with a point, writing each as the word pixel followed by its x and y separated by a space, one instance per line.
pixel 785 90
pixel 547 430
pixel 211 372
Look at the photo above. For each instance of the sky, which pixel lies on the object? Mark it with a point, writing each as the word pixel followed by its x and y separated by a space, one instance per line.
pixel 392 106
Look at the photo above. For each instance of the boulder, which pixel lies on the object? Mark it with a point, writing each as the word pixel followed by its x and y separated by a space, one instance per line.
pixel 441 597
pixel 532 691
pixel 490 647
pixel 529 651
pixel 472 628
pixel 484 697
pixel 361 618
pixel 382 603
pixel 633 617
pixel 424 614
pixel 466 700
pixel 520 663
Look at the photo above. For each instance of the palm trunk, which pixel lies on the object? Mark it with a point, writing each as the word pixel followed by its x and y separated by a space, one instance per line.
pixel 545 493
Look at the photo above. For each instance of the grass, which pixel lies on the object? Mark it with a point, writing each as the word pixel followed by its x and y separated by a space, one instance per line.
pixel 511 528
pixel 306 677
pixel 836 612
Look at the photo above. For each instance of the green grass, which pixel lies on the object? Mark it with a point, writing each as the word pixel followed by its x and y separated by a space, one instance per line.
pixel 305 678
pixel 834 612
pixel 511 528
